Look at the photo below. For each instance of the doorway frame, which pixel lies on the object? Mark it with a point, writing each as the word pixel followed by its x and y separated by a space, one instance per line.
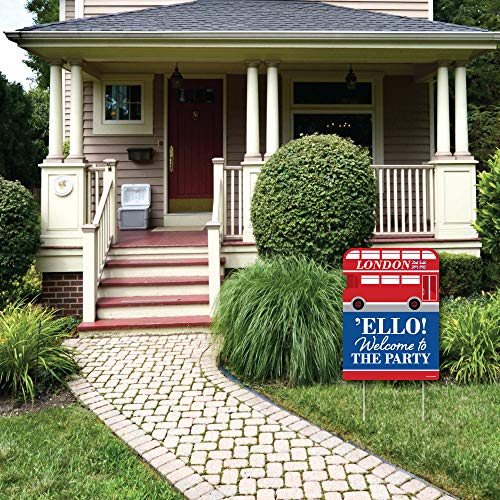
pixel 189 76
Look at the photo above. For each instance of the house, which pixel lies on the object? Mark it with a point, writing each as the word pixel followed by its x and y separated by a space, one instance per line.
pixel 208 90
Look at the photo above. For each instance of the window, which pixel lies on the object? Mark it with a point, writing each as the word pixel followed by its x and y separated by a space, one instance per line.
pixel 123 105
pixel 390 279
pixel 123 102
pixel 323 104
pixel 370 280
pixel 410 280
pixel 331 93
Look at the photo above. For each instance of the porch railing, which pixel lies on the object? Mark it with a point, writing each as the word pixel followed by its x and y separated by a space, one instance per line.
pixel 233 201
pixel 405 199
pixel 94 185
pixel 98 237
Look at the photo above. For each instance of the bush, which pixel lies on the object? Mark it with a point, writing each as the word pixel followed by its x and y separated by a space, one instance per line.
pixel 460 275
pixel 27 289
pixel 19 232
pixel 314 197
pixel 27 355
pixel 470 340
pixel 281 318
pixel 488 213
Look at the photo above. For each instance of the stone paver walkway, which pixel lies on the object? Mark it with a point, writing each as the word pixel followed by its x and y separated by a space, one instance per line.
pixel 211 438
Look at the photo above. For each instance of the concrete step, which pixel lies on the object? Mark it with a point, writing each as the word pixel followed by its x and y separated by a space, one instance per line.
pixel 153 306
pixel 158 252
pixel 145 268
pixel 153 286
pixel 145 326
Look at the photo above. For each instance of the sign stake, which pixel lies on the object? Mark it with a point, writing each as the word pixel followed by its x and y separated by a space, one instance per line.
pixel 423 401
pixel 364 401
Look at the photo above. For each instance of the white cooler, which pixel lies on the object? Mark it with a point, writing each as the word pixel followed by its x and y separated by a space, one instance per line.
pixel 136 205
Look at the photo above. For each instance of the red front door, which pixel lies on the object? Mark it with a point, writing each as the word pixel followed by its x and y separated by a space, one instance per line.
pixel 195 136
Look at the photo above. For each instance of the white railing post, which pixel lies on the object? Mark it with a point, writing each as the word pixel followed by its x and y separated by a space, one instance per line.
pixel 251 171
pixel 213 235
pixel 110 174
pixel 219 190
pixel 90 266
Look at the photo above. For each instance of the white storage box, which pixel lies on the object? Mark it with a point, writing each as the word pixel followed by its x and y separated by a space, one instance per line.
pixel 136 205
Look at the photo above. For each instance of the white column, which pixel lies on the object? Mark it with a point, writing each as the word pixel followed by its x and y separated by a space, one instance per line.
pixel 443 112
pixel 272 110
pixel 461 129
pixel 76 119
pixel 55 114
pixel 253 140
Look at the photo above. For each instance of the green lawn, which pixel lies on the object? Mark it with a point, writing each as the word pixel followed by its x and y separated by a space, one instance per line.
pixel 457 447
pixel 69 453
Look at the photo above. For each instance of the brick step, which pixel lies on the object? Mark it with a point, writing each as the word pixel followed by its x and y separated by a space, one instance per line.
pixel 145 326
pixel 152 306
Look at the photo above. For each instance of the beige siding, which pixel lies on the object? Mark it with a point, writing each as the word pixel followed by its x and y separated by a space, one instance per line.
pixel 415 8
pixel 98 148
pixel 70 9
pixel 98 7
pixel 406 121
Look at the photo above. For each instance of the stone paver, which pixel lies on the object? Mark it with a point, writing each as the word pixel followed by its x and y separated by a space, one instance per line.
pixel 211 438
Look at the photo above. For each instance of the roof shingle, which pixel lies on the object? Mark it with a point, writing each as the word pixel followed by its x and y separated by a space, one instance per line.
pixel 252 16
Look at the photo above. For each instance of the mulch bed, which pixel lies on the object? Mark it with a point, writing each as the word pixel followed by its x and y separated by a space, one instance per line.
pixel 51 399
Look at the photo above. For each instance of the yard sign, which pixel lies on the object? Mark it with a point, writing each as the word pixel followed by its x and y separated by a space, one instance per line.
pixel 391 314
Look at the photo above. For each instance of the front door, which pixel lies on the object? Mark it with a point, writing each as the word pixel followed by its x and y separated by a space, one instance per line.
pixel 195 136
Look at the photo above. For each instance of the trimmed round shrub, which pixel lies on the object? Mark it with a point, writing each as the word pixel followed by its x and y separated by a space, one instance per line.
pixel 281 319
pixel 314 197
pixel 19 232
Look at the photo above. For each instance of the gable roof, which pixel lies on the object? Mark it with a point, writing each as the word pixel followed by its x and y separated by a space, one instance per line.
pixel 251 16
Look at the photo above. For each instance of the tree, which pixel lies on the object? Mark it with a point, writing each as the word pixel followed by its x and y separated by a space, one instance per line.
pixel 483 74
pixel 44 11
pixel 17 151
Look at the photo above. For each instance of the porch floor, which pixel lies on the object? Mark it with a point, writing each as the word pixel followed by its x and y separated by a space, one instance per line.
pixel 155 238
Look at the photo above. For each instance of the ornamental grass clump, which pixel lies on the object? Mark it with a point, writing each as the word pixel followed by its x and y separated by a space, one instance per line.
pixel 470 339
pixel 31 350
pixel 281 319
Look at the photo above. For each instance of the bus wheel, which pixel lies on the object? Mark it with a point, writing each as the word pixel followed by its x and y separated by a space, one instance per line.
pixel 414 304
pixel 358 304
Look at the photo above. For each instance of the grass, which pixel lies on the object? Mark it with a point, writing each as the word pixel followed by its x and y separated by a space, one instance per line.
pixel 281 318
pixel 68 453
pixel 457 447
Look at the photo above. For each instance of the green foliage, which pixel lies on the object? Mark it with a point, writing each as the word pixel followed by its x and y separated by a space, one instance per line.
pixel 27 354
pixel 18 160
pixel 28 288
pixel 483 73
pixel 66 148
pixel 314 197
pixel 281 318
pixel 44 11
pixel 488 213
pixel 460 275
pixel 19 232
pixel 39 123
pixel 491 274
pixel 470 340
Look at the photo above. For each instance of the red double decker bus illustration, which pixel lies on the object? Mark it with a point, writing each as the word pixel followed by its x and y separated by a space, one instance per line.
pixel 402 277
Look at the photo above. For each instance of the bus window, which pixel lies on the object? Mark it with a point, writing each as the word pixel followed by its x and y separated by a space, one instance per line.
pixel 428 255
pixel 411 254
pixel 352 255
pixel 410 280
pixel 370 280
pixel 390 280
pixel 370 254
pixel 391 254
